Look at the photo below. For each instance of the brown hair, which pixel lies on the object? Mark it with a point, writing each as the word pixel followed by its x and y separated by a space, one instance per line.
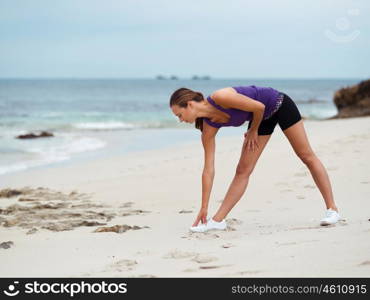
pixel 182 96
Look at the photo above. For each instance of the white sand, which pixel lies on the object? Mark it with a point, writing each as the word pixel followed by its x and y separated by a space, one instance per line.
pixel 276 223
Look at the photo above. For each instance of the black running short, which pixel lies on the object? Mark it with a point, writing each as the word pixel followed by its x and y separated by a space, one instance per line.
pixel 287 115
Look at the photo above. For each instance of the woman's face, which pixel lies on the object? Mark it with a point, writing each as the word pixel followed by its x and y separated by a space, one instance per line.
pixel 184 114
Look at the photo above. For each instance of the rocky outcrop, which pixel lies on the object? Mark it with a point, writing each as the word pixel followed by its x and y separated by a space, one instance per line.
pixel 353 101
pixel 32 135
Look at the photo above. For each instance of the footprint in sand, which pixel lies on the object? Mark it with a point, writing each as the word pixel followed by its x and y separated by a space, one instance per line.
pixel 196 257
pixel 283 208
pixel 295 243
pixel 301 174
pixel 308 227
pixel 126 204
pixel 121 265
pixel 227 245
pixel 225 235
pixel 205 268
pixel 144 252
pixel 184 211
pixel 233 222
pixel 190 270
pixel 213 267
pixel 281 183
pixel 364 263
pixel 249 272
pixel 203 235
pixel 286 244
pixel 309 186
pixel 286 191
pixel 178 254
pixel 204 258
pixel 332 168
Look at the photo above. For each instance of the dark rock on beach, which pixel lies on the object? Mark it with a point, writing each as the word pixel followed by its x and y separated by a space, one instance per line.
pixel 8 193
pixel 353 101
pixel 32 135
pixel 6 245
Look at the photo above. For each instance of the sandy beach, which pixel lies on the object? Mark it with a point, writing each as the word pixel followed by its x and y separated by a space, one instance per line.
pixel 59 223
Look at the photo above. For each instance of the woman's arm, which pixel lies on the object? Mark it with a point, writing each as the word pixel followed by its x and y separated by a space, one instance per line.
pixel 209 145
pixel 228 98
pixel 225 97
pixel 257 119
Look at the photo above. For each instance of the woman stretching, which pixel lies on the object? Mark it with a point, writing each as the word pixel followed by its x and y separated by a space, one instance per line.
pixel 263 107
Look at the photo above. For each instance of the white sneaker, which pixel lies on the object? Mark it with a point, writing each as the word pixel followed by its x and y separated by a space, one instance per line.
pixel 332 217
pixel 210 225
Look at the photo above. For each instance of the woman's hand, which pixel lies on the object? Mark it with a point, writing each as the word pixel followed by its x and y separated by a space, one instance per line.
pixel 251 139
pixel 202 216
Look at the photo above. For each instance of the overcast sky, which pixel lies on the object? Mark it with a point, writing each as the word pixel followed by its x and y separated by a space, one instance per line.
pixel 223 39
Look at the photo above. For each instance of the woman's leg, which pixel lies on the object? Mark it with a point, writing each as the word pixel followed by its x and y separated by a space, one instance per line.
pixel 298 139
pixel 247 162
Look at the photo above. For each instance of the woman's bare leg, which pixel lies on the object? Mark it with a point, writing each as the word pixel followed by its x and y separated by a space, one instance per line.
pixel 247 162
pixel 298 139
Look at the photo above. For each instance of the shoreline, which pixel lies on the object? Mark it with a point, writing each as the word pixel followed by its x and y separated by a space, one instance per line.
pixel 158 190
pixel 140 140
pixel 119 143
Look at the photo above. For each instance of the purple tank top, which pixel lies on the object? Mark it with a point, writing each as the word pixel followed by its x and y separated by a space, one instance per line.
pixel 270 97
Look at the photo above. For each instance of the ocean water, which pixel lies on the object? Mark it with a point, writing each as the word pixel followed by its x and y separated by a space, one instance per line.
pixel 96 117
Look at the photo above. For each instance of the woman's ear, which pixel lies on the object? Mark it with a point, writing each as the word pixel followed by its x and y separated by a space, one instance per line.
pixel 191 103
